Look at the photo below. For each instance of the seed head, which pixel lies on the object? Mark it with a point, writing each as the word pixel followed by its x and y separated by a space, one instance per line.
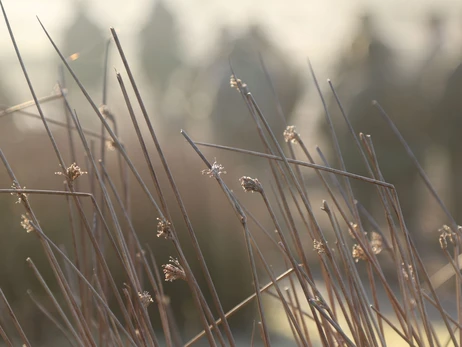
pixel 376 242
pixel 26 223
pixel 446 234
pixel 236 83
pixel 408 275
pixel 164 229
pixel 173 271
pixel 319 247
pixel 215 171
pixel 73 172
pixel 111 145
pixel 145 298
pixel 358 253
pixel 106 112
pixel 291 135
pixel 251 184
pixel 22 197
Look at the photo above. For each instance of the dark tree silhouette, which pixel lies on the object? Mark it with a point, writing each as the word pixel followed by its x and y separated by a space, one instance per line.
pixel 370 68
pixel 160 47
pixel 85 45
pixel 446 128
pixel 230 120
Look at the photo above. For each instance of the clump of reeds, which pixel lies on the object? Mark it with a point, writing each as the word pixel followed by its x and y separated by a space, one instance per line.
pixel 341 309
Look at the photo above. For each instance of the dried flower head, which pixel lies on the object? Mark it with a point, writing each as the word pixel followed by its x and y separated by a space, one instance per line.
pixel 145 298
pixel 73 172
pixel 408 274
pixel 358 253
pixel 376 242
pixel 291 135
pixel 319 247
pixel 251 184
pixel 446 234
pixel 355 231
pixel 215 171
pixel 26 223
pixel 22 197
pixel 319 301
pixel 164 228
pixel 236 83
pixel 111 145
pixel 173 271
pixel 106 112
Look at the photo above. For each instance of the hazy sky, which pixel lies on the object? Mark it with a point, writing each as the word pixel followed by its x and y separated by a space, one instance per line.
pixel 302 28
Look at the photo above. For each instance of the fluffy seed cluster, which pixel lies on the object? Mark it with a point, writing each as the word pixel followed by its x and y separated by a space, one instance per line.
pixel 251 184
pixel 26 223
pixel 110 145
pixel 215 171
pixel 290 134
pixel 236 83
pixel 319 247
pixel 408 275
pixel 73 172
pixel 446 234
pixel 145 298
pixel 106 112
pixel 173 271
pixel 358 253
pixel 22 197
pixel 164 229
pixel 376 242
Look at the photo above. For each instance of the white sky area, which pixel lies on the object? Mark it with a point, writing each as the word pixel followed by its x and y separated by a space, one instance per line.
pixel 317 29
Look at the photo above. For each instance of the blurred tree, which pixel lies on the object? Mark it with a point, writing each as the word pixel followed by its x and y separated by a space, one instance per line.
pixel 371 67
pixel 446 128
pixel 8 128
pixel 160 47
pixel 165 68
pixel 84 45
pixel 230 121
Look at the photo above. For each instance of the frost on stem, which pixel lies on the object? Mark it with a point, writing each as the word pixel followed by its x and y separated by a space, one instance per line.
pixel 173 271
pixel 251 184
pixel 215 171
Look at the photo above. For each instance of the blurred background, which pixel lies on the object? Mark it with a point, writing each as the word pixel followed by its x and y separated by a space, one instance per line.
pixel 405 55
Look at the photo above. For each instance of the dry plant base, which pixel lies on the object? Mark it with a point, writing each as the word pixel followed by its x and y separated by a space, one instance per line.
pixel 333 292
